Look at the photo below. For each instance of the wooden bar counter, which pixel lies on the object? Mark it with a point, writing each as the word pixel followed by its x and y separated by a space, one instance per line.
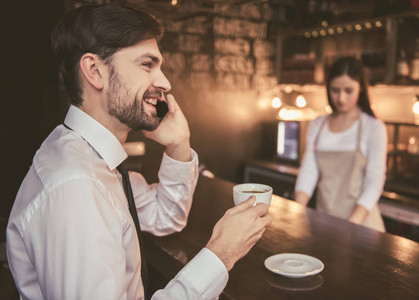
pixel 359 263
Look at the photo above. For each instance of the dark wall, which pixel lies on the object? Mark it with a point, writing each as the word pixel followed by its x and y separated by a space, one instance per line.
pixel 220 66
pixel 29 107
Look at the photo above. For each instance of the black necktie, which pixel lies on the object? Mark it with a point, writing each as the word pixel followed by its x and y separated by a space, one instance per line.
pixel 133 211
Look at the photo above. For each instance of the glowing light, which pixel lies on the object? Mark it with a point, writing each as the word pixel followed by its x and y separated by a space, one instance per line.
pixel 315 34
pixel 289 114
pixel 378 24
pixel 358 27
pixel 322 32
pixel 300 101
pixel 276 102
pixel 263 103
pixel 174 2
pixel 280 149
pixel 307 34
pixel 339 29
pixel 331 31
pixel 368 25
pixel 416 107
pixel 288 89
pixel 325 24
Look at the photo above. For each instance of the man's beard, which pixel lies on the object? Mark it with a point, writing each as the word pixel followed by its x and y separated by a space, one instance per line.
pixel 128 112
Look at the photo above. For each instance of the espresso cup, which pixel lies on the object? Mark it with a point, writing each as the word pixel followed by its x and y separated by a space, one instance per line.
pixel 262 192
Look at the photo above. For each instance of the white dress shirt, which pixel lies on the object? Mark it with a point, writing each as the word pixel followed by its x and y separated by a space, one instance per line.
pixel 70 234
pixel 373 146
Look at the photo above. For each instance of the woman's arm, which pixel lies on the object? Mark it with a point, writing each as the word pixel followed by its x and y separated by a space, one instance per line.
pixel 359 214
pixel 302 197
pixel 375 141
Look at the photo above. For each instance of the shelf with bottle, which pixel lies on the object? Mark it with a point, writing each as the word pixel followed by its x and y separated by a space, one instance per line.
pixel 408 69
pixel 411 148
pixel 377 42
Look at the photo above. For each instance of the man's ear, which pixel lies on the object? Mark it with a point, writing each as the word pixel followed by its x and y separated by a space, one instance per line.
pixel 91 69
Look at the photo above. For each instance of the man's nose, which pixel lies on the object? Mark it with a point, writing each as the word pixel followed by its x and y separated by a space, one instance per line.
pixel 161 82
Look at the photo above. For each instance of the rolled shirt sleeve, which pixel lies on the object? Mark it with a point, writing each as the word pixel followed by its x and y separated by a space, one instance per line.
pixel 163 207
pixel 375 170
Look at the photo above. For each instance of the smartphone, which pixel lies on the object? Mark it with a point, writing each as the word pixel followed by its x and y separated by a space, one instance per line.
pixel 162 108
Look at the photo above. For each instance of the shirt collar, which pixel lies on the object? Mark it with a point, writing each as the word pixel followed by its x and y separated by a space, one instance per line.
pixel 99 138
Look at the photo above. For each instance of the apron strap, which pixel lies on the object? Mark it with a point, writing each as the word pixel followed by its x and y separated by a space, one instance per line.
pixel 358 143
pixel 316 141
pixel 358 146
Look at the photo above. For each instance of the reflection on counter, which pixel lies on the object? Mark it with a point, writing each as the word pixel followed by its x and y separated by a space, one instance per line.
pixel 302 284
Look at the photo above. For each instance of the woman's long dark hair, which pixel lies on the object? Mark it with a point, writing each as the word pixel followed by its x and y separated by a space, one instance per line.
pixel 354 68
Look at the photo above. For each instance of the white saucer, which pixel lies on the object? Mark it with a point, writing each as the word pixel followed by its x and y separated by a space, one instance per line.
pixel 294 265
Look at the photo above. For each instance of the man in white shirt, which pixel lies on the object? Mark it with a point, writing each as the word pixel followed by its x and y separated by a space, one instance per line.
pixel 70 234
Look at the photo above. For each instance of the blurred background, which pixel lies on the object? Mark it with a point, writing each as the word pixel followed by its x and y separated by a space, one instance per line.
pixel 236 68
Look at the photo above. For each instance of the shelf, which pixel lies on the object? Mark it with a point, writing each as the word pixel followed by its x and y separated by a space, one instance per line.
pixel 401 124
pixel 304 31
pixel 402 152
pixel 305 54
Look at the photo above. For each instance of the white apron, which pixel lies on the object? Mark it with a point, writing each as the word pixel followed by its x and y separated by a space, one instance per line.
pixel 341 179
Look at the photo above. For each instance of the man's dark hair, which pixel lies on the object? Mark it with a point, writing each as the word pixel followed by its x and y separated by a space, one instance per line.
pixel 354 68
pixel 100 30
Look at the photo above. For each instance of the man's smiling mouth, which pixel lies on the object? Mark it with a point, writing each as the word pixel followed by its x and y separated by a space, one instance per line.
pixel 152 101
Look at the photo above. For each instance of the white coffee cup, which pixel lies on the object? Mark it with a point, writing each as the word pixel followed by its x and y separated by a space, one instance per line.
pixel 262 192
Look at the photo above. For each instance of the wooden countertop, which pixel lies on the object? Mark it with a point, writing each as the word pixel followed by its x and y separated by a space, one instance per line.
pixel 360 263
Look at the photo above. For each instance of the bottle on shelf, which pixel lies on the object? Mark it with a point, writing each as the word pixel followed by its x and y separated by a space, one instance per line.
pixel 402 69
pixel 414 67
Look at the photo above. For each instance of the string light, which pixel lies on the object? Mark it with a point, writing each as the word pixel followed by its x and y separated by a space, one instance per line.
pixel 340 29
pixel 288 89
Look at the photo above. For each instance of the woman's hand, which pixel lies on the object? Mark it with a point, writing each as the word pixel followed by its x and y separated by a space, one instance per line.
pixel 358 215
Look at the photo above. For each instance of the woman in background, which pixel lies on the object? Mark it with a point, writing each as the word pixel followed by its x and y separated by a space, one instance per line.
pixel 346 151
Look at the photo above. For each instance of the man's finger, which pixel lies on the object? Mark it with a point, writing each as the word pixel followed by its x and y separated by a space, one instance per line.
pixel 171 103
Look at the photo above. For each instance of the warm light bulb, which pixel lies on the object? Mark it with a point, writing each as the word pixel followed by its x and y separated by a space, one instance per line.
pixel 301 102
pixel 174 2
pixel 276 102
pixel 289 114
pixel 288 89
pixel 416 107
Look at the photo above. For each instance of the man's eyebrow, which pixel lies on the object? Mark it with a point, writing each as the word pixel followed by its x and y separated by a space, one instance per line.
pixel 148 56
